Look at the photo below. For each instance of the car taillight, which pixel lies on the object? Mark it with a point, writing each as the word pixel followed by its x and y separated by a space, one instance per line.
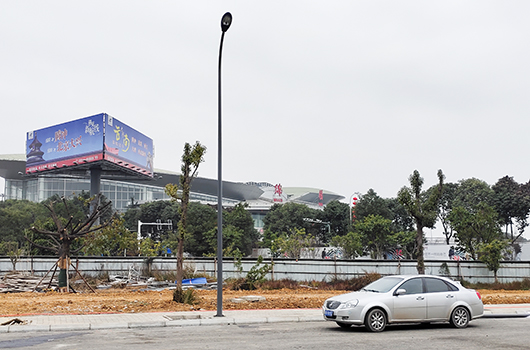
pixel 478 295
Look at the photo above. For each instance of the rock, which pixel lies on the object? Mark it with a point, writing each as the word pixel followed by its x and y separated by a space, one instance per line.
pixel 248 298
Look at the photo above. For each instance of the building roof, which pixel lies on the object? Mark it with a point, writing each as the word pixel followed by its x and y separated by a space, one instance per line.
pixel 13 166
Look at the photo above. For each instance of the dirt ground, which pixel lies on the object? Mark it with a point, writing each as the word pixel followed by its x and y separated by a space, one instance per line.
pixel 130 301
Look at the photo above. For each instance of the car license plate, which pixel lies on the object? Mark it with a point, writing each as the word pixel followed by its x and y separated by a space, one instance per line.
pixel 328 313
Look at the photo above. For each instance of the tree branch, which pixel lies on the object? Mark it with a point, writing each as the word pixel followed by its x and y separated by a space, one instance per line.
pixel 45 232
pixel 53 249
pixel 56 220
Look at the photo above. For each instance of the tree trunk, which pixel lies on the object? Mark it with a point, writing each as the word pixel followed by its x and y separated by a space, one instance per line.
pixel 181 230
pixel 180 268
pixel 419 243
pixel 63 263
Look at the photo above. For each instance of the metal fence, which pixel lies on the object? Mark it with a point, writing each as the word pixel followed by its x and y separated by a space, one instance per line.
pixel 298 270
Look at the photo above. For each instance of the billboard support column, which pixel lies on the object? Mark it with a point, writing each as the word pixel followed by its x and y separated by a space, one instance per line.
pixel 95 186
pixel 95 181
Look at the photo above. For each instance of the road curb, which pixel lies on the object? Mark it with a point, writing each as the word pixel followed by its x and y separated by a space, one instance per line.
pixel 506 315
pixel 46 323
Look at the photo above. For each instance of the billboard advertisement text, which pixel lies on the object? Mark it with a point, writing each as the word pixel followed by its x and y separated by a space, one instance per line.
pixel 92 139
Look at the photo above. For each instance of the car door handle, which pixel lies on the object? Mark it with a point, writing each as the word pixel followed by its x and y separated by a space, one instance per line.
pixel 449 296
pixel 420 298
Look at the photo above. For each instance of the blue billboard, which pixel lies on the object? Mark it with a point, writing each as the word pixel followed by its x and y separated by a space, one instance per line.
pixel 127 147
pixel 98 138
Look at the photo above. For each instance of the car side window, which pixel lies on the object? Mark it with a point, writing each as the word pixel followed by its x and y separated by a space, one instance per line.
pixel 433 285
pixel 451 287
pixel 413 286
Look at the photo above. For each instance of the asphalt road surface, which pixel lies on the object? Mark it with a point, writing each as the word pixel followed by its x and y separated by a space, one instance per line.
pixel 501 333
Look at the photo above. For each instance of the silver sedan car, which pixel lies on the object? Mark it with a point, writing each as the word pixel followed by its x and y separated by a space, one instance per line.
pixel 405 299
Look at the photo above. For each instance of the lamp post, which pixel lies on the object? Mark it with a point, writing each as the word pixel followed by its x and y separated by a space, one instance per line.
pixel 353 201
pixel 226 21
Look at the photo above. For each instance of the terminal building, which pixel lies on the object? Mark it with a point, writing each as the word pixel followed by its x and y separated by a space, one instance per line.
pixel 259 196
pixel 100 154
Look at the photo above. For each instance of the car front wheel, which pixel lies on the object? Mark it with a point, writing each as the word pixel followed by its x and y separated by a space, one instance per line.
pixel 375 320
pixel 460 317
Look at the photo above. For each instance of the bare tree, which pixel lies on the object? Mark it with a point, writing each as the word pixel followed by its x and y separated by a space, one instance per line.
pixel 68 230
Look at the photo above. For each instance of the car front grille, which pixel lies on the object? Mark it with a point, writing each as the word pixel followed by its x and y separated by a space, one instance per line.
pixel 332 304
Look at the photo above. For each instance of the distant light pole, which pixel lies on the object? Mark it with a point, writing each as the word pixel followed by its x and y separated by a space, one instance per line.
pixel 353 201
pixel 226 21
pixel 318 221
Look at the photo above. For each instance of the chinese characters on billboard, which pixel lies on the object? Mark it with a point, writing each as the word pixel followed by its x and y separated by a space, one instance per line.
pixel 92 139
pixel 127 147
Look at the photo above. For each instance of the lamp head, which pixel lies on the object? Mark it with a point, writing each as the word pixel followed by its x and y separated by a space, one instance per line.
pixel 226 21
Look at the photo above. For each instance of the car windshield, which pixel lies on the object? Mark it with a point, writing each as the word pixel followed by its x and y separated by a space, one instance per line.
pixel 382 285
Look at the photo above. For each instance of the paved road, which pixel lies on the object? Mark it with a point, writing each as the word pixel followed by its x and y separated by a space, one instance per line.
pixel 482 334
pixel 72 322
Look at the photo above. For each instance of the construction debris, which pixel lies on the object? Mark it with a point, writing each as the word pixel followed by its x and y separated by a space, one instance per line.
pixel 248 298
pixel 19 282
pixel 14 321
pixel 150 284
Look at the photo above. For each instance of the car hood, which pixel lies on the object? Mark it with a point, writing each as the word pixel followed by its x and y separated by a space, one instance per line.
pixel 357 295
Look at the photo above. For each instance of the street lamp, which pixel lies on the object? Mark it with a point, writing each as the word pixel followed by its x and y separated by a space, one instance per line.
pixel 226 21
pixel 353 201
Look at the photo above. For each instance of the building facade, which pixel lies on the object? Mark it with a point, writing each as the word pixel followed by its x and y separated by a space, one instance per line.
pixel 259 196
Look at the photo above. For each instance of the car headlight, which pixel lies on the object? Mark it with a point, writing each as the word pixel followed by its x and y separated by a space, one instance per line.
pixel 350 304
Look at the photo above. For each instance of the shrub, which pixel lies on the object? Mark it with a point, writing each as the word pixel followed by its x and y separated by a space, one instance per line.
pixel 254 278
pixel 185 296
pixel 355 283
pixel 235 283
pixel 280 284
pixel 523 284
pixel 444 270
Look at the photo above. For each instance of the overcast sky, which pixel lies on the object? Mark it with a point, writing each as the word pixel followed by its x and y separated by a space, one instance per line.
pixel 337 95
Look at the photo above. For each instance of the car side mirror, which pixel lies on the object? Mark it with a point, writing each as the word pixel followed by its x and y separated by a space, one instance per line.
pixel 401 291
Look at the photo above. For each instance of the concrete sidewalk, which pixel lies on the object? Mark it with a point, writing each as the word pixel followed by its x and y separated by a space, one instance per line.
pixel 193 318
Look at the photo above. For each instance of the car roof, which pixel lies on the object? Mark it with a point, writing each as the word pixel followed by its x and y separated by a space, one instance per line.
pixel 444 278
pixel 418 275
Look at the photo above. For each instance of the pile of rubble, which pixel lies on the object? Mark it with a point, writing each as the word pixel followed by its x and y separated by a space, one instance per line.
pixel 21 282
pixel 135 280
pixel 16 282
pixel 144 283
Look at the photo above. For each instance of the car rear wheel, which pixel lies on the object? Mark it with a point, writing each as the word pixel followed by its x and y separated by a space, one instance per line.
pixel 460 317
pixel 344 325
pixel 375 320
